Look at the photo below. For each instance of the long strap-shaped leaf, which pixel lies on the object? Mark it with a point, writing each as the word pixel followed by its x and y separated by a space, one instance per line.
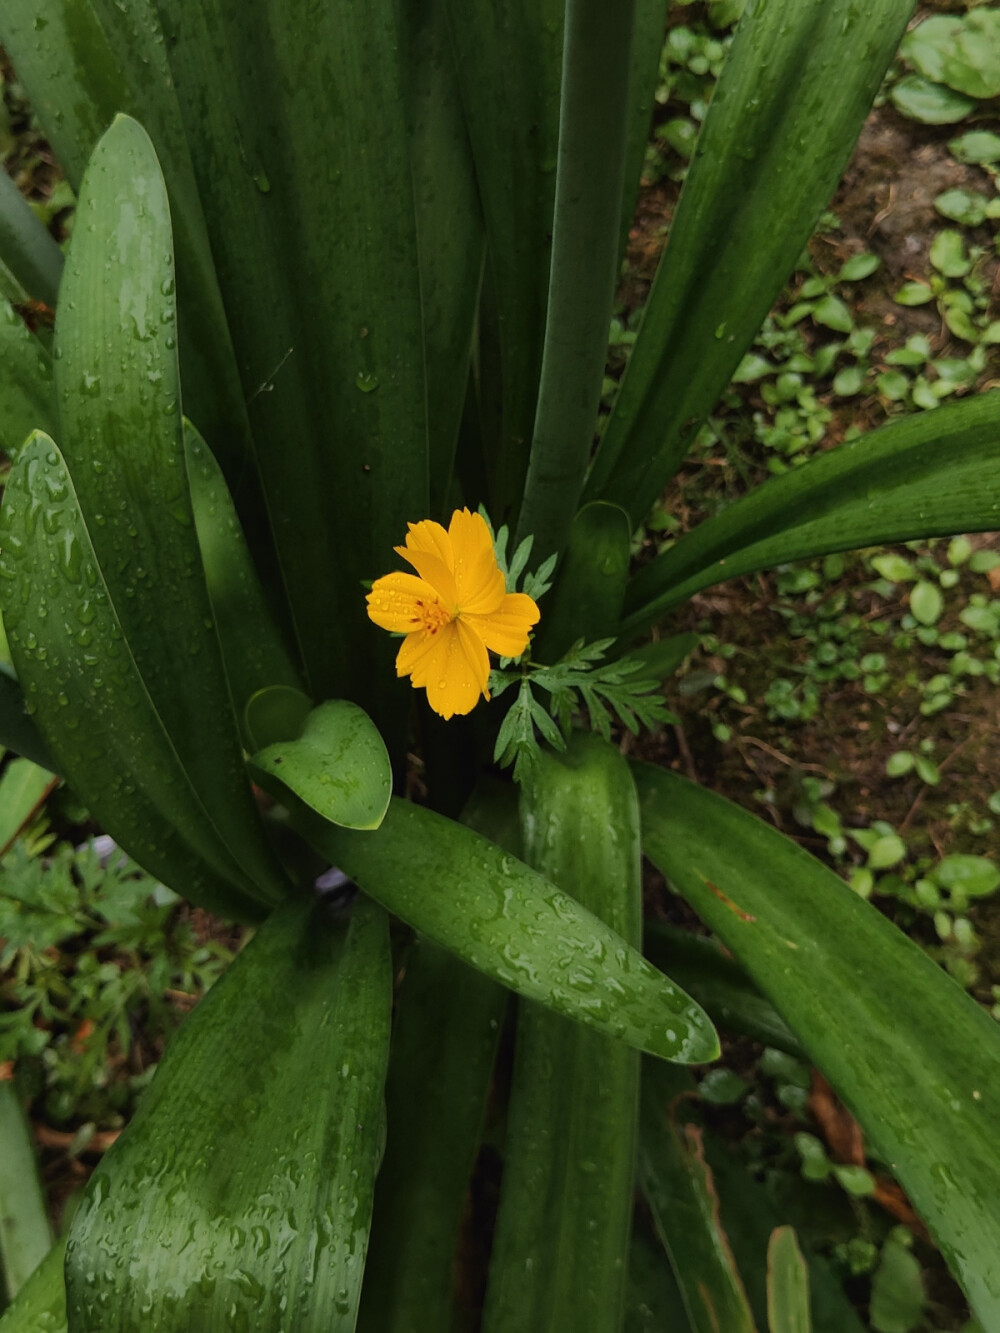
pixel 585 232
pixel 508 921
pixel 241 1193
pixel 717 981
pixel 27 250
pixel 449 229
pixel 787 1284
pixel 915 1058
pixel 83 62
pixel 84 690
pixel 654 1303
pixel 586 602
pixel 560 1251
pixel 789 105
pixel 508 57
pixel 25 1233
pixel 41 1303
pixel 444 1043
pixel 677 1181
pixel 117 386
pixel 926 476
pixel 254 654
pixel 17 729
pixel 24 787
pixel 321 275
pixel 26 402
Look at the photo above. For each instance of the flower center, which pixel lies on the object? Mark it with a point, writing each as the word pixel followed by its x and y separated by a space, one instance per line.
pixel 433 615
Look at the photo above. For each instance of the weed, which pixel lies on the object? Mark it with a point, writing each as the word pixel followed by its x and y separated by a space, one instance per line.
pixel 91 949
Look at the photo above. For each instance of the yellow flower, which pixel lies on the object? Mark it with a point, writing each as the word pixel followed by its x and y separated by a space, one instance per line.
pixel 452 610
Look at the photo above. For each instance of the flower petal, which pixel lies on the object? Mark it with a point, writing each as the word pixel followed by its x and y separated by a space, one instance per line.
pixel 506 630
pixel 413 653
pixel 430 537
pixel 481 585
pixel 451 665
pixel 397 601
pixel 433 570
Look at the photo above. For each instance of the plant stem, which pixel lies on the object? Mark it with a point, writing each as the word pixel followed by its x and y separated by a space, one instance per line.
pixel 589 184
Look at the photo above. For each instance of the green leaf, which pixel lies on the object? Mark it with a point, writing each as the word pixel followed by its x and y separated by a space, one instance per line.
pixel 27 250
pixel 894 568
pixel 252 650
pixel 241 1192
pixel 925 45
pixel 82 64
pixel 948 255
pixel 504 919
pixel 719 984
pixel 653 1303
pixel 924 1081
pixel 899 763
pixel 339 766
pixel 885 851
pixel 662 657
pixel 678 1184
pixel 914 293
pixel 560 1250
pixel 787 1284
pixel 117 385
pixel 277 713
pixel 971 60
pixel 849 381
pixel 749 204
pixel 972 876
pixel 929 103
pixel 590 587
pixel 893 384
pixel 25 1233
pixel 897 1302
pixel 508 59
pixel 322 281
pixel 26 385
pixel 449 228
pixel 17 731
pixel 833 314
pixel 593 116
pixel 74 661
pixel 444 1041
pixel 41 1303
pixel 23 788
pixel 857 267
pixel 976 147
pixel 926 602
pixel 961 206
pixel 918 477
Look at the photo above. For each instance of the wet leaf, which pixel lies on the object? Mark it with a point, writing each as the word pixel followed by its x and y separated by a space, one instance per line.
pixel 914 1057
pixel 233 1199
pixel 918 477
pixel 506 920
pixel 560 1250
pixel 339 766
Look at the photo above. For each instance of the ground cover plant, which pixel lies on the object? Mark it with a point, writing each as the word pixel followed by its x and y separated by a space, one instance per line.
pixel 159 640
